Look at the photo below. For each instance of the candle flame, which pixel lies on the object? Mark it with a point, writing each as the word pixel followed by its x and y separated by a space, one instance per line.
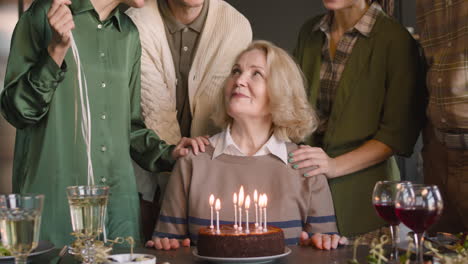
pixel 255 196
pixel 247 202
pixel 218 205
pixel 260 201
pixel 234 198
pixel 241 196
pixel 265 200
pixel 212 199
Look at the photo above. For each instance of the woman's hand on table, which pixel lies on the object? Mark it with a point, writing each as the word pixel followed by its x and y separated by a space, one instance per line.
pixel 322 241
pixel 197 144
pixel 315 158
pixel 167 244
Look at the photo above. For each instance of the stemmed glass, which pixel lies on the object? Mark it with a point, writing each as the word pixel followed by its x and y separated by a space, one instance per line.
pixel 383 199
pixel 87 209
pixel 418 207
pixel 20 221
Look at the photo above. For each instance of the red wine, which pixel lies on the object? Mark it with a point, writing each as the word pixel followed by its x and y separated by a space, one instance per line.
pixel 417 219
pixel 387 212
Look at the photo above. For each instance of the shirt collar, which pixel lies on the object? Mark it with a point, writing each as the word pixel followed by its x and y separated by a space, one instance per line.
pixel 80 6
pixel 363 26
pixel 223 144
pixel 173 25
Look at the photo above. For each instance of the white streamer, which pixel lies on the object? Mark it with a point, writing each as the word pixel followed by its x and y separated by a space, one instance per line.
pixel 85 112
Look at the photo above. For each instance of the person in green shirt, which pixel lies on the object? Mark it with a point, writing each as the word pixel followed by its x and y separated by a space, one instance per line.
pixel 366 81
pixel 39 99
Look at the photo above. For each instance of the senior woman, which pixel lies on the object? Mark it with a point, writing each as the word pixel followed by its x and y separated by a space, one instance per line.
pixel 363 68
pixel 263 109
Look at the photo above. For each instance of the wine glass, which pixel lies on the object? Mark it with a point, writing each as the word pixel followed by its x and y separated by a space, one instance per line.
pixel 87 209
pixel 20 221
pixel 383 199
pixel 418 207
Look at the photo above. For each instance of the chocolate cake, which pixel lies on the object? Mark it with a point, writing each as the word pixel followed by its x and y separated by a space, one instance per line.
pixel 230 243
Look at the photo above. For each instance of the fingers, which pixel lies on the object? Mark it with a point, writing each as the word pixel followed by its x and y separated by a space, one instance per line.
pixel 157 243
pixel 149 243
pixel 334 241
pixel 201 143
pixel 186 242
pixel 326 242
pixel 343 241
pixel 55 6
pixel 194 145
pixel 174 243
pixel 317 241
pixel 205 140
pixel 166 245
pixel 304 239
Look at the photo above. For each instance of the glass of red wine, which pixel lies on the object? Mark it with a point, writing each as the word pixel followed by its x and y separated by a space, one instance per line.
pixel 383 199
pixel 419 207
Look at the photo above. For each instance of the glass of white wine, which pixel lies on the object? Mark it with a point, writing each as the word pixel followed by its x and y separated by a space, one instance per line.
pixel 20 221
pixel 87 209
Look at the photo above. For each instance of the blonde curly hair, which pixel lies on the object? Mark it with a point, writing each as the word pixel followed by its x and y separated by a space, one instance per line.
pixel 293 117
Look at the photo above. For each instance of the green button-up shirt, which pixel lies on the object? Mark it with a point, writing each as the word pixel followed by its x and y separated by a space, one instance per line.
pixel 40 100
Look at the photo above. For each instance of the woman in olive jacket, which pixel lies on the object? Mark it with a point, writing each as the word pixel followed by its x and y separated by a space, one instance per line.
pixel 366 81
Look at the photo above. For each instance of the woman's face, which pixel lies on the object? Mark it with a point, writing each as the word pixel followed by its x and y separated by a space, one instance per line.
pixel 335 5
pixel 246 88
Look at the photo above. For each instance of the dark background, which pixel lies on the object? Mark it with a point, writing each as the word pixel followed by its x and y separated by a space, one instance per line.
pixel 279 21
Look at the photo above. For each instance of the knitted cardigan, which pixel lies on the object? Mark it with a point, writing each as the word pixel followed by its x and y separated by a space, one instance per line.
pixel 225 34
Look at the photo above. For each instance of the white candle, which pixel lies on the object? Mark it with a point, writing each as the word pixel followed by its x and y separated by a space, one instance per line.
pixel 211 201
pixel 265 203
pixel 260 204
pixel 256 207
pixel 234 200
pixel 241 202
pixel 247 206
pixel 217 207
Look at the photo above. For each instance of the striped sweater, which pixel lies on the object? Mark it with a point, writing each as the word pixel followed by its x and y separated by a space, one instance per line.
pixel 295 203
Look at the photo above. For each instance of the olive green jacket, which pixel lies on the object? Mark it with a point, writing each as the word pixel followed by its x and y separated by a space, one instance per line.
pixel 380 96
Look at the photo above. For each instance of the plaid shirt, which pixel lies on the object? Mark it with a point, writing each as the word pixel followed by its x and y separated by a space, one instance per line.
pixel 443 26
pixel 332 68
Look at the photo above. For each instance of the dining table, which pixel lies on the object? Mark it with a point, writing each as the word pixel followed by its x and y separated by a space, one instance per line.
pixel 184 255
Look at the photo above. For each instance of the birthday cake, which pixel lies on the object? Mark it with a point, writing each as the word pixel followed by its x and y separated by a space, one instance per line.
pixel 230 243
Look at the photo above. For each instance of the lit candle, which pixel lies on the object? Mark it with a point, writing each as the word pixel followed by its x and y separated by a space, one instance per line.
pixel 260 204
pixel 265 203
pixel 212 199
pixel 256 207
pixel 241 202
pixel 234 200
pixel 247 206
pixel 217 207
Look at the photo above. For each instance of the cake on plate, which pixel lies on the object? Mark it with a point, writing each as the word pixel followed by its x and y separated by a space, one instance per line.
pixel 230 243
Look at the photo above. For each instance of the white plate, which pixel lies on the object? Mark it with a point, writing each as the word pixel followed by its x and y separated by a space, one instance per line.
pixel 43 247
pixel 265 259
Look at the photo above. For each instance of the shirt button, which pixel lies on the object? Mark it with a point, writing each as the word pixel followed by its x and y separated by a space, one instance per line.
pixel 185 29
pixel 102 54
pixel 103 85
pixel 439 80
pixel 103 116
pixel 103 180
pixel 61 74
pixel 103 148
pixel 185 48
pixel 99 26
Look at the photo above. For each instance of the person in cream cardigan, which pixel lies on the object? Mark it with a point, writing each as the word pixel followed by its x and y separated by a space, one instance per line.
pixel 188 47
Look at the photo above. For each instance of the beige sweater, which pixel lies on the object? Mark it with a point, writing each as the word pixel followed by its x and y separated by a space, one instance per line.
pixel 225 34
pixel 295 203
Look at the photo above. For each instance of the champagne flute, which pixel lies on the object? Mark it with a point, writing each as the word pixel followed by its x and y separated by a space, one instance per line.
pixel 87 209
pixel 20 221
pixel 383 199
pixel 418 207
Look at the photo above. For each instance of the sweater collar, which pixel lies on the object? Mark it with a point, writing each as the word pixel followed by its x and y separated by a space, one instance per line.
pixel 224 144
